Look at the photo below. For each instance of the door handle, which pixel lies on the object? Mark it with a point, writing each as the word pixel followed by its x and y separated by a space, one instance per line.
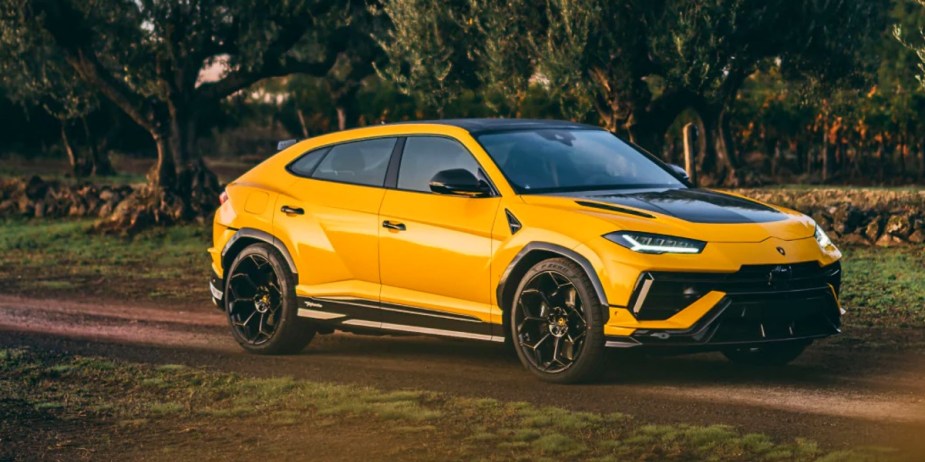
pixel 292 210
pixel 391 225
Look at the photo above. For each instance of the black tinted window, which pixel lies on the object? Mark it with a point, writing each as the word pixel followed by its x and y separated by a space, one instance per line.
pixel 550 160
pixel 424 156
pixel 360 162
pixel 306 164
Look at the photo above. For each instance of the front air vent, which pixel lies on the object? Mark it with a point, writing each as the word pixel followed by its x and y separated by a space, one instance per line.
pixel 660 295
pixel 614 208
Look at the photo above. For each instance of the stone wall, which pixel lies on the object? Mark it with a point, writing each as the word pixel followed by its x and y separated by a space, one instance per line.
pixel 856 216
pixel 36 197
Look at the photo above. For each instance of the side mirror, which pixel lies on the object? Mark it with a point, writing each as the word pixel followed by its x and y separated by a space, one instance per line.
pixel 679 170
pixel 459 181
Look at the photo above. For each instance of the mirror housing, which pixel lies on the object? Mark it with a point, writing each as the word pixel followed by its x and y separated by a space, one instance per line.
pixel 460 182
pixel 680 172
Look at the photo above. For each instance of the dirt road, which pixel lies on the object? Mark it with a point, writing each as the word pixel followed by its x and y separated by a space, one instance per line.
pixel 864 388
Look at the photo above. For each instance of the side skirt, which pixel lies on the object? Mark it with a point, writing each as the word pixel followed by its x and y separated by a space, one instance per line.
pixel 358 314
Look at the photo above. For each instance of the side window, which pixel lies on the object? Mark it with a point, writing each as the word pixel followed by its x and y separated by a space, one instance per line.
pixel 304 165
pixel 424 156
pixel 360 162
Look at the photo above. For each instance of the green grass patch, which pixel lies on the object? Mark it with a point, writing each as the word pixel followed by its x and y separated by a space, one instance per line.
pixel 194 409
pixel 55 257
pixel 884 286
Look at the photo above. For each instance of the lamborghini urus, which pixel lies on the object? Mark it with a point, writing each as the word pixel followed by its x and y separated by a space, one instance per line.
pixel 558 238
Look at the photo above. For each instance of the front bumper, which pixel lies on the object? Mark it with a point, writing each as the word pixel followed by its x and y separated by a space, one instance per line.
pixel 752 307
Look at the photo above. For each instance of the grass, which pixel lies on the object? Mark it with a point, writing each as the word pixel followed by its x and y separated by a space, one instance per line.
pixel 58 257
pixel 141 411
pixel 883 287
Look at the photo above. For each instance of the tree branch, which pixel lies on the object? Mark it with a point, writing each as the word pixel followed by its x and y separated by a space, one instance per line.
pixel 275 63
pixel 72 36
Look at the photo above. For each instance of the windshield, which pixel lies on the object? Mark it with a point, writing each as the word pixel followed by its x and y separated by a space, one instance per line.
pixel 560 160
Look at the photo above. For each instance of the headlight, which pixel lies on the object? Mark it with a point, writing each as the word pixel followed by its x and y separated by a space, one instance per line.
pixel 655 243
pixel 822 238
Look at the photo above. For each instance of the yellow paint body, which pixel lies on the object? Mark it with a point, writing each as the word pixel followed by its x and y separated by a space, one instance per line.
pixel 455 250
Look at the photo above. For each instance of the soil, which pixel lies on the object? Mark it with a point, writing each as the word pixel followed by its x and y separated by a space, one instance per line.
pixel 862 388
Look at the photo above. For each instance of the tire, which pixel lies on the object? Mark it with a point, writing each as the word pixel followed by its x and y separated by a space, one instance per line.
pixel 556 323
pixel 772 354
pixel 261 305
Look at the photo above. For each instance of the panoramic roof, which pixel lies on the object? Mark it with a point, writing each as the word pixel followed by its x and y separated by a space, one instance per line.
pixel 490 124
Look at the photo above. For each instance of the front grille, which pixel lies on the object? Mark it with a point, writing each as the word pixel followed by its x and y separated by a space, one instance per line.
pixel 748 318
pixel 756 318
pixel 661 295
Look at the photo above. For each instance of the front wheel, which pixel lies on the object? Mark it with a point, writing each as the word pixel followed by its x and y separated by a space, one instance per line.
pixel 772 354
pixel 556 323
pixel 261 304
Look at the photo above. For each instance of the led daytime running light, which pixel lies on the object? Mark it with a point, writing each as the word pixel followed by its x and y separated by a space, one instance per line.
pixel 639 247
pixel 655 243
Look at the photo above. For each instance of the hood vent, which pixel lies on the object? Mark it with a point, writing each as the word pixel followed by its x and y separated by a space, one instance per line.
pixel 614 208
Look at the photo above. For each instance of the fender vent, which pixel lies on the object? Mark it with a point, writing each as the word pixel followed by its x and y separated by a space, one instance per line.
pixel 512 222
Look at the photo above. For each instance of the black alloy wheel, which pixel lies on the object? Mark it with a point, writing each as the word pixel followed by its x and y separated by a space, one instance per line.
pixel 556 326
pixel 261 305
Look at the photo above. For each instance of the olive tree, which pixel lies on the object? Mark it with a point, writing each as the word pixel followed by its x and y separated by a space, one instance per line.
pixel 147 58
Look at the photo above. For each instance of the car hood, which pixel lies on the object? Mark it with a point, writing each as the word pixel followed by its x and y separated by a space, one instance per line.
pixel 697 213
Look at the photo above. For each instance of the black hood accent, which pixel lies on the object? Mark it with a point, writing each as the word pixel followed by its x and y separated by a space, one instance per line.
pixel 694 205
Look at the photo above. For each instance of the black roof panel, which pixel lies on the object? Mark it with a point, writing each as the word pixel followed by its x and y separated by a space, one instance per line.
pixel 475 126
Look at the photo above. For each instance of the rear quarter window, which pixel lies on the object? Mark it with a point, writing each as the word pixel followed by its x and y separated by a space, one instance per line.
pixel 359 162
pixel 305 165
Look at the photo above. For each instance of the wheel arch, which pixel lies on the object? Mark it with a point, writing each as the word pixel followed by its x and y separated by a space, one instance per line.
pixel 533 253
pixel 247 236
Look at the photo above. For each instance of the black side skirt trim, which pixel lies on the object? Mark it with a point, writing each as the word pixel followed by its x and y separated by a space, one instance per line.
pixel 355 313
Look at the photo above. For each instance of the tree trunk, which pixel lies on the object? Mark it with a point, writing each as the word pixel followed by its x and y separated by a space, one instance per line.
pixel 715 162
pixel 164 174
pixel 302 122
pixel 341 118
pixel 196 185
pixel 99 160
pixel 828 154
pixel 78 167
pixel 179 139
pixel 921 174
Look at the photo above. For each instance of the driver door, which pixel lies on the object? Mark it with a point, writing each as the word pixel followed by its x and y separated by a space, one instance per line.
pixel 435 249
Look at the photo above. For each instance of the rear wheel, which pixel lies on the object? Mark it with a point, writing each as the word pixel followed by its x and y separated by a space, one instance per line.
pixel 556 323
pixel 772 354
pixel 261 304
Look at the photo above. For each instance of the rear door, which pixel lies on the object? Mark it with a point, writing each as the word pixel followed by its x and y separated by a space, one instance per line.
pixel 328 218
pixel 435 249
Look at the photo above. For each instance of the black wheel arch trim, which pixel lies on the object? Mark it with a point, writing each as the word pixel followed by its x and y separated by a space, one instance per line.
pixel 538 246
pixel 262 236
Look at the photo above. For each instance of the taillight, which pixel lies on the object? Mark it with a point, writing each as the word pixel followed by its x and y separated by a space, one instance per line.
pixel 222 197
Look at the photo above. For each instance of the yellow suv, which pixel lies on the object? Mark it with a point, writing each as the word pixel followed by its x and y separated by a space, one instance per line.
pixel 557 237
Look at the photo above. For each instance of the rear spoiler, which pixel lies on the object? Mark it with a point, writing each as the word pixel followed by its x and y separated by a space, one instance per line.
pixel 286 143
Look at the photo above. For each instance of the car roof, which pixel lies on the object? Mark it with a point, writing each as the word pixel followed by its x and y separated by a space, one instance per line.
pixel 482 125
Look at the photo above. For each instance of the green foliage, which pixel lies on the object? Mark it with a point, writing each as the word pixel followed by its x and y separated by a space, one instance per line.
pixel 426 49
pixel 148 57
pixel 917 48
